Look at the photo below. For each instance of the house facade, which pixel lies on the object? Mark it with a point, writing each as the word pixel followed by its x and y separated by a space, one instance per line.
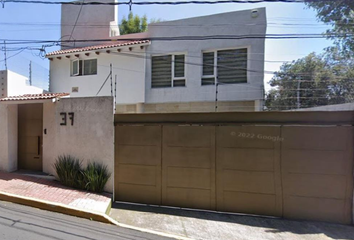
pixel 201 64
pixel 13 84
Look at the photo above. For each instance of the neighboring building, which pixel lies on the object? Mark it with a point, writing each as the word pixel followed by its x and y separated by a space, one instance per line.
pixel 174 67
pixel 13 84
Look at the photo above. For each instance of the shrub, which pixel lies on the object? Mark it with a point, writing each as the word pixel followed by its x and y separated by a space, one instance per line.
pixel 95 176
pixel 69 172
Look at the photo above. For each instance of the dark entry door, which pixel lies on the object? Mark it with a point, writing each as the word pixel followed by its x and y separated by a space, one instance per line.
pixel 30 125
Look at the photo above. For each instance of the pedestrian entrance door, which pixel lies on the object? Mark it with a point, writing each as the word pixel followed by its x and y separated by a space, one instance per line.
pixel 30 124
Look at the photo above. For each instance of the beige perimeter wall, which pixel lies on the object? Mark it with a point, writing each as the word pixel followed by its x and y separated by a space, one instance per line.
pixel 8 137
pixel 91 138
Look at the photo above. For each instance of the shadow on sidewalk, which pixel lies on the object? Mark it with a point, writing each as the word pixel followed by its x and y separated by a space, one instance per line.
pixel 271 224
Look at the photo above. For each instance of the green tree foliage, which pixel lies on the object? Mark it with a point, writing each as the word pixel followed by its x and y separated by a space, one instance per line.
pixel 324 79
pixel 134 24
pixel 339 15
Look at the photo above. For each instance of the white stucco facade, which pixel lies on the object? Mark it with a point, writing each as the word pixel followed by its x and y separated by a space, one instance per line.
pixel 132 64
pixel 90 138
pixel 13 84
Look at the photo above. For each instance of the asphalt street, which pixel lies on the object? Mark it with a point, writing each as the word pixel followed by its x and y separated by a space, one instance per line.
pixel 22 222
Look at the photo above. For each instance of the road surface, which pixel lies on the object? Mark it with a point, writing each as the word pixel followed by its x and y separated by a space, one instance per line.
pixel 22 222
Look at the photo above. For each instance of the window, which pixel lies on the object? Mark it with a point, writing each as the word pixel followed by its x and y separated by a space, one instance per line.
pixel 225 66
pixel 168 71
pixel 84 67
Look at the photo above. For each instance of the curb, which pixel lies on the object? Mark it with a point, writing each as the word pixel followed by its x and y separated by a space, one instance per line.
pixel 68 210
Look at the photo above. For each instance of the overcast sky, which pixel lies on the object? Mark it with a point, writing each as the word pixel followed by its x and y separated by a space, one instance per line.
pixel 282 18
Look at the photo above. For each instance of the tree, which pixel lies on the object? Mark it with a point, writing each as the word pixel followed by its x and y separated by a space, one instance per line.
pixel 134 24
pixel 319 79
pixel 340 15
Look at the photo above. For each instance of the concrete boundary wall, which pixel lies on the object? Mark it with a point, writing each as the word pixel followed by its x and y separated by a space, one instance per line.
pixel 90 138
pixel 8 137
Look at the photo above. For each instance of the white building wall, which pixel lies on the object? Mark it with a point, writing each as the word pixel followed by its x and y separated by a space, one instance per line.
pixel 91 138
pixel 128 66
pixel 232 23
pixel 13 84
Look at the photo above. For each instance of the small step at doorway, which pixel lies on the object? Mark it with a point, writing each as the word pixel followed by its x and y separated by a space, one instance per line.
pixel 36 174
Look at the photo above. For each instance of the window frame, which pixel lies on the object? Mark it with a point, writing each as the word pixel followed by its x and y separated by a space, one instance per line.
pixel 215 51
pixel 81 73
pixel 173 78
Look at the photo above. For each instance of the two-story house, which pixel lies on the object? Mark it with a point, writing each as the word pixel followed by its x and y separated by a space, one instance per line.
pixel 202 64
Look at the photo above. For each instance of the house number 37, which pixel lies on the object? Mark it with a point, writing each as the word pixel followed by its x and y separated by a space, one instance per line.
pixel 64 118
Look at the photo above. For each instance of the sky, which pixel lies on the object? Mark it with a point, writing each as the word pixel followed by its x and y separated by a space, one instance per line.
pixel 42 22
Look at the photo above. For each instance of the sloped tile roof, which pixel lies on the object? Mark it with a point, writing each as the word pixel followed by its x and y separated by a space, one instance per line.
pixel 98 47
pixel 42 96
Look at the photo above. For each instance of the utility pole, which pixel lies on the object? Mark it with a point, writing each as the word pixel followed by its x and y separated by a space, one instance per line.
pixel 298 92
pixel 30 73
pixel 115 93
pixel 111 80
pixel 5 60
pixel 216 95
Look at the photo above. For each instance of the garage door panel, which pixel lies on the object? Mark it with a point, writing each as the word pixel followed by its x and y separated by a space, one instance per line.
pixel 188 157
pixel 186 136
pixel 188 166
pixel 317 173
pixel 139 193
pixel 138 135
pixel 137 174
pixel 144 155
pixel 249 203
pixel 319 209
pixel 191 198
pixel 246 136
pixel 327 186
pixel 317 162
pixel 188 177
pixel 315 138
pixel 257 182
pixel 246 159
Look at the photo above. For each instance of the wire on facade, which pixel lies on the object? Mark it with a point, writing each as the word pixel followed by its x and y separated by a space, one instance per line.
pixel 110 74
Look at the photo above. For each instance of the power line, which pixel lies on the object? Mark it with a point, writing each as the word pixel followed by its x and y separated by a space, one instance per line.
pixel 77 19
pixel 189 38
pixel 131 2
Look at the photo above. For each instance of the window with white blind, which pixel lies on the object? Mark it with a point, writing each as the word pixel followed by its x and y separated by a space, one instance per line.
pixel 225 66
pixel 168 71
pixel 83 67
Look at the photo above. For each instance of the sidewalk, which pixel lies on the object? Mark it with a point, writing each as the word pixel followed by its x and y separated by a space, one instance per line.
pixel 211 225
pixel 46 194
pixel 53 192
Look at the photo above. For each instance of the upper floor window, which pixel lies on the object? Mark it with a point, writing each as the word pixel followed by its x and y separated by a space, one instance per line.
pixel 168 71
pixel 83 67
pixel 225 66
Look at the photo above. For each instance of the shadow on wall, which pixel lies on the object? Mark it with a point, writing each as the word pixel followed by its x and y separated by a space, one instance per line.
pixel 273 225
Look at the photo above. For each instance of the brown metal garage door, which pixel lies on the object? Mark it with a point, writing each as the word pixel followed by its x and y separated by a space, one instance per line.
pixel 248 170
pixel 317 173
pixel 301 172
pixel 188 167
pixel 138 164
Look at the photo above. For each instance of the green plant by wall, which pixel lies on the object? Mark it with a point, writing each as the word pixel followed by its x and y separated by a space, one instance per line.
pixel 70 173
pixel 95 176
pixel 68 169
